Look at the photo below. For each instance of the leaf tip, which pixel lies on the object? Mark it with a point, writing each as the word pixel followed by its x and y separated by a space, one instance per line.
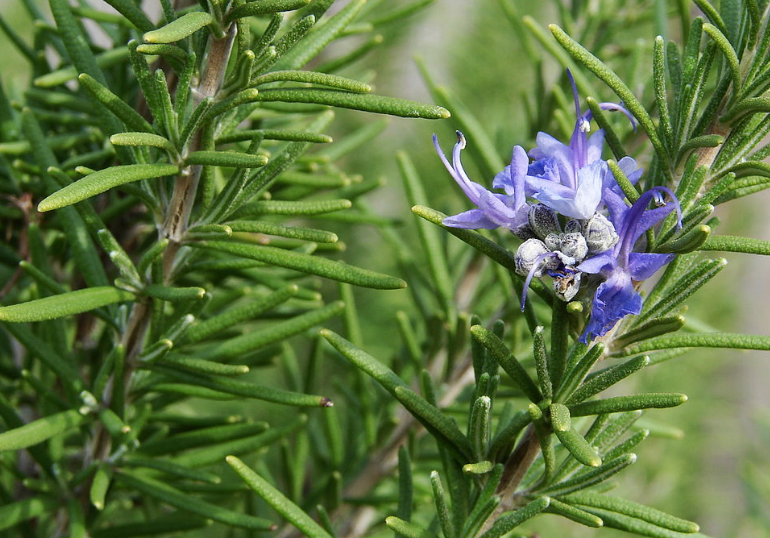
pixel 326 402
pixel 46 205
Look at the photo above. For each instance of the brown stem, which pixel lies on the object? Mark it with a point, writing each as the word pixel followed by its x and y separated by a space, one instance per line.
pixel 515 468
pixel 186 185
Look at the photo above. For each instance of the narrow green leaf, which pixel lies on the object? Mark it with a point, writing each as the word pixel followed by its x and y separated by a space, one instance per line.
pixel 560 418
pixel 103 180
pixel 621 404
pixel 482 467
pixel 680 290
pixel 219 450
pixel 503 442
pixel 731 243
pixel 406 529
pixel 99 485
pixel 444 518
pixel 114 104
pixel 244 388
pixel 507 361
pixel 202 366
pixel 264 7
pixel 277 500
pixel 580 449
pixel 319 37
pixel 225 158
pixel 607 378
pixel 378 104
pixel 293 232
pixel 80 241
pixel 65 304
pixel 478 427
pixel 628 445
pixel 306 264
pixel 632 509
pixel 661 96
pixel 591 477
pixel 142 139
pixel 74 39
pixel 431 417
pixel 242 135
pixel 173 523
pixel 313 77
pixel 480 514
pixel 689 242
pixel 405 484
pixel 541 363
pixel 576 374
pixel 40 430
pixel 715 340
pixel 251 341
pixel 168 495
pixel 203 436
pixel 49 358
pixel 264 177
pixel 752 105
pixel 479 142
pixel 233 316
pixel 285 44
pixel 172 469
pixel 174 295
pixel 614 520
pixel 173 52
pixel 13 513
pixel 625 184
pixel 733 62
pixel 132 13
pixel 304 208
pixel 184 26
pixel 429 238
pixel 704 141
pixel 712 15
pixel 654 327
pixel 362 360
pixel 511 520
pixel 574 513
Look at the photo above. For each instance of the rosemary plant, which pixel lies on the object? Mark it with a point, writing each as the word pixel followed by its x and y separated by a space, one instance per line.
pixel 178 311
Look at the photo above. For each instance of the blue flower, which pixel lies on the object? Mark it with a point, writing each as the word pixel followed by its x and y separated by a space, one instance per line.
pixel 494 210
pixel 617 297
pixel 570 179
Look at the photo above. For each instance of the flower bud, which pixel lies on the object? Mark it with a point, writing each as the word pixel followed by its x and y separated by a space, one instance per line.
pixel 553 241
pixel 573 226
pixel 543 220
pixel 599 234
pixel 528 254
pixel 574 245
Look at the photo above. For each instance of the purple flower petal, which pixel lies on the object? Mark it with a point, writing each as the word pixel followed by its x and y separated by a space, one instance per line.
pixel 470 220
pixel 615 299
pixel 642 265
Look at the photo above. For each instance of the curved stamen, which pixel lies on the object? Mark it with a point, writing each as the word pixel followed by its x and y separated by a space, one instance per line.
pixel 455 168
pixel 613 107
pixel 635 214
pixel 579 139
pixel 531 274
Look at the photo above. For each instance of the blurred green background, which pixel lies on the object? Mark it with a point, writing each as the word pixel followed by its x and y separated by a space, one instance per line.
pixel 717 473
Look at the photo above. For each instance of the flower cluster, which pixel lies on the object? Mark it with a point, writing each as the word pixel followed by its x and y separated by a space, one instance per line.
pixel 563 201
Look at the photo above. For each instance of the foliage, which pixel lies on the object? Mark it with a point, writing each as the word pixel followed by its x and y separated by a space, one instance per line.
pixel 175 216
